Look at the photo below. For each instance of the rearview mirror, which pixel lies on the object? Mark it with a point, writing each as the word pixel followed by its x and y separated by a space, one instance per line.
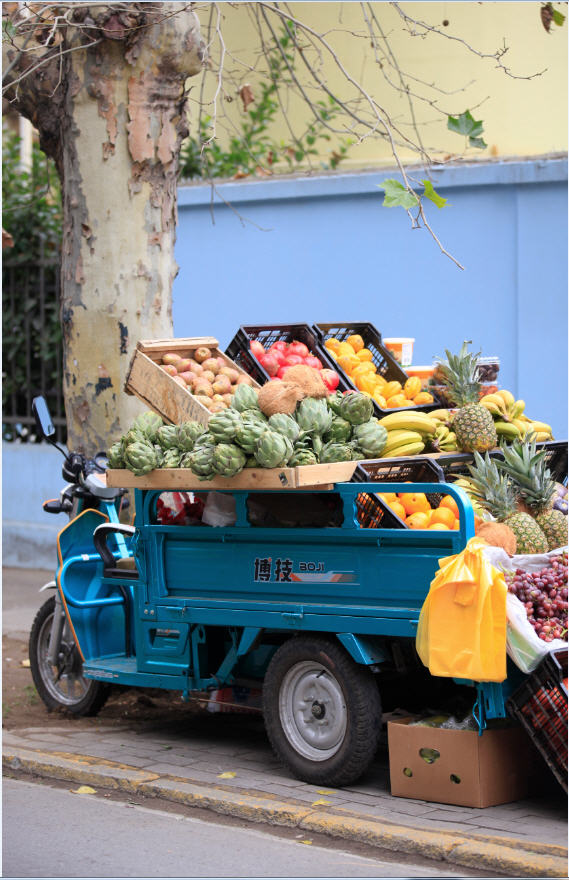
pixel 43 419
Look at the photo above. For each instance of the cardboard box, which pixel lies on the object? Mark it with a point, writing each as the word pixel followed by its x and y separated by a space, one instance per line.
pixel 471 770
pixel 154 387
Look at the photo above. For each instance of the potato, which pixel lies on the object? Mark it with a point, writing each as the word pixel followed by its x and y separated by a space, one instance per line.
pixel 222 385
pixel 179 381
pixel 170 369
pixel 211 364
pixel 196 368
pixel 171 358
pixel 208 375
pixel 202 386
pixel 183 365
pixel 231 374
pixel 217 406
pixel 201 398
pixel 244 380
pixel 188 377
pixel 227 398
pixel 202 354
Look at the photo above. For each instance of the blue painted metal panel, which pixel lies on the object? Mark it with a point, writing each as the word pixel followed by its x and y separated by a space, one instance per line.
pixel 324 249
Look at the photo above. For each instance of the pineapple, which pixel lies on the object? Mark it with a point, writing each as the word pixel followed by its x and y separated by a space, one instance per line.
pixel 527 468
pixel 472 424
pixel 497 494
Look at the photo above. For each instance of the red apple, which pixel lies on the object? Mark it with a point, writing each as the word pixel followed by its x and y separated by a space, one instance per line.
pixel 331 379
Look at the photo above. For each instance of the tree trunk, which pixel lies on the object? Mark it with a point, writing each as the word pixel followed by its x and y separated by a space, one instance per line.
pixel 114 123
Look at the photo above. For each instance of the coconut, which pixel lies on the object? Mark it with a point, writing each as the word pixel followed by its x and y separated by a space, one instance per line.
pixel 279 397
pixel 307 379
pixel 498 535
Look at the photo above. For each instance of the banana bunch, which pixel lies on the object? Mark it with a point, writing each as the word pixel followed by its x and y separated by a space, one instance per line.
pixel 510 420
pixel 468 486
pixel 408 433
pixel 443 440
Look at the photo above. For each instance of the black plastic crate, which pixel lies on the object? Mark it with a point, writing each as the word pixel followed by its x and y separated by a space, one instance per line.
pixel 393 470
pixel 386 364
pixel 540 705
pixel 556 458
pixel 240 353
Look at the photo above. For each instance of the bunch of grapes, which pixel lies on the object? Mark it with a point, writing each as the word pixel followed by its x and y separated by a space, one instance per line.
pixel 544 596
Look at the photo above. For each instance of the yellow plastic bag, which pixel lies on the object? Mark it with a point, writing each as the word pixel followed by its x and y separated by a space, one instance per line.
pixel 462 625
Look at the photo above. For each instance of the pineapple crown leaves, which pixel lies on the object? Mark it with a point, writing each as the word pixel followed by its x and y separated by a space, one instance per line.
pixel 494 490
pixel 527 468
pixel 459 371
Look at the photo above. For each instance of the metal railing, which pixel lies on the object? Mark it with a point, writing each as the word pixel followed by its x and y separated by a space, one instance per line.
pixel 32 349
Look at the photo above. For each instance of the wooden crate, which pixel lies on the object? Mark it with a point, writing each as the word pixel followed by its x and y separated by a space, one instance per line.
pixel 155 388
pixel 182 479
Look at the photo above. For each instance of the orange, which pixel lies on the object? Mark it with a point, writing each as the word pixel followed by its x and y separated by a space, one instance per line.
pixel 365 382
pixel 419 520
pixel 365 367
pixel 439 527
pixel 364 354
pixel 448 501
pixel 356 341
pixel 443 515
pixel 332 344
pixel 456 525
pixel 414 502
pixel 387 496
pixel 397 508
pixel 348 361
pixel 332 354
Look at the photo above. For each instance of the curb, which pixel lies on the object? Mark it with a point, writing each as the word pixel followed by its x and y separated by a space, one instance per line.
pixel 496 854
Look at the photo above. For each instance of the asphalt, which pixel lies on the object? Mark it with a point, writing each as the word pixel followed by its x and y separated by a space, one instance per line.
pixel 223 763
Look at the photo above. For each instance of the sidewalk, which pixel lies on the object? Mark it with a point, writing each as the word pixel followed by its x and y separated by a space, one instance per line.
pixel 224 763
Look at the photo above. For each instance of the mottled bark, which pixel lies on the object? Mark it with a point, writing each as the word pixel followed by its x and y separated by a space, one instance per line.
pixel 112 115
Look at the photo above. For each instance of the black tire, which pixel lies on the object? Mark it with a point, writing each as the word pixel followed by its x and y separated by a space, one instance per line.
pixel 62 686
pixel 308 677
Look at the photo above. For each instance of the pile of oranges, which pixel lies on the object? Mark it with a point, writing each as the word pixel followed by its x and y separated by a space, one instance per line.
pixel 357 362
pixel 416 512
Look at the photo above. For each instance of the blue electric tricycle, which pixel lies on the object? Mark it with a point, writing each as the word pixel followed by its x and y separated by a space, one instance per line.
pixel 315 614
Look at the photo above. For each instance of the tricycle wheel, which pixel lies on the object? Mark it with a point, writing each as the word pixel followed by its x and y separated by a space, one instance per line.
pixel 63 685
pixel 322 711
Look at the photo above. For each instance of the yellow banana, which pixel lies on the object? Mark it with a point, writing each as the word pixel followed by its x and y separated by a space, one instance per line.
pixel 542 436
pixel 507 397
pixel 523 427
pixel 410 421
pixel 441 415
pixel 400 438
pixel 540 427
pixel 493 398
pixel 494 405
pixel 404 450
pixel 442 431
pixel 524 418
pixel 517 409
pixel 507 429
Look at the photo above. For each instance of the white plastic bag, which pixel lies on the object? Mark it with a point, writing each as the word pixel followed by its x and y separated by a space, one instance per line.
pixel 523 644
pixel 219 510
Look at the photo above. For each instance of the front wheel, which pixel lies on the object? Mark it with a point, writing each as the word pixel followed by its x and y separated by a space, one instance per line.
pixel 322 711
pixel 63 685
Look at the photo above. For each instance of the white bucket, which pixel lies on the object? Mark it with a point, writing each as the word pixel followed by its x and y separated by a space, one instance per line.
pixel 401 347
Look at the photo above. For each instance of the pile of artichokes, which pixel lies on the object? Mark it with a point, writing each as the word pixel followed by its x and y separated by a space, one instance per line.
pixel 337 428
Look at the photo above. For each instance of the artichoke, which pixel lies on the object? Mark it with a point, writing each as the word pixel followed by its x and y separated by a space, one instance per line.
pixel 204 440
pixel 254 415
pixel 188 433
pixel 148 424
pixel 273 449
pixel 228 459
pixel 315 419
pixel 371 437
pixel 185 461
pixel 159 455
pixel 140 458
pixel 285 425
pixel 340 431
pixel 334 401
pixel 171 458
pixel 115 455
pixel 251 462
pixel 244 398
pixel 356 408
pixel 167 436
pixel 223 425
pixel 248 434
pixel 133 435
pixel 301 457
pixel 201 461
pixel 335 452
pixel 357 453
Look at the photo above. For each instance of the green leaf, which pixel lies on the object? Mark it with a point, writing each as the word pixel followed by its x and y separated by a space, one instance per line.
pixel 8 29
pixel 558 17
pixel 478 142
pixel 465 124
pixel 396 195
pixel 432 194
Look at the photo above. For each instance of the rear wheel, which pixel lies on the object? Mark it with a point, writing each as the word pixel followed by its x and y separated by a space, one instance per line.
pixel 63 685
pixel 322 711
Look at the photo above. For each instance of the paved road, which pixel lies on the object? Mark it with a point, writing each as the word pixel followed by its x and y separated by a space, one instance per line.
pixel 50 832
pixel 21 598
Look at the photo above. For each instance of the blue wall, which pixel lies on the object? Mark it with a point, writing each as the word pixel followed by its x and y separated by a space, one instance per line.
pixel 324 249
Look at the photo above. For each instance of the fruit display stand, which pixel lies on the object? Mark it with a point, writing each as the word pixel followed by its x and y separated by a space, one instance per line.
pixel 239 349
pixel 540 705
pixel 373 512
pixel 387 365
pixel 322 475
pixel 148 381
